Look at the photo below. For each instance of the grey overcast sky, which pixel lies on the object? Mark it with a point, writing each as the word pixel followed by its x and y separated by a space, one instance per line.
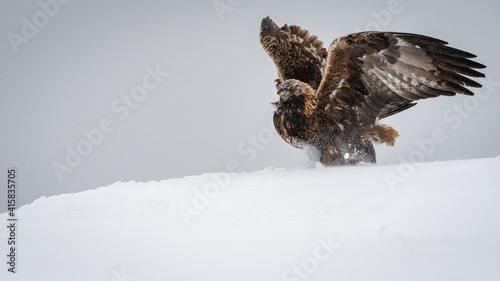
pixel 95 92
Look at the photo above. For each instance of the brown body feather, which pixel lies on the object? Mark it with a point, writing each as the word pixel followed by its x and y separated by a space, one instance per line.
pixel 333 100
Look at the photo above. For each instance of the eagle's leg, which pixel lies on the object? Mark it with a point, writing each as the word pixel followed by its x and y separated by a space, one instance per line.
pixel 368 152
pixel 332 156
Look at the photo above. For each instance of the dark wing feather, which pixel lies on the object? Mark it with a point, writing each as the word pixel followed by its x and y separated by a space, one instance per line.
pixel 387 71
pixel 296 54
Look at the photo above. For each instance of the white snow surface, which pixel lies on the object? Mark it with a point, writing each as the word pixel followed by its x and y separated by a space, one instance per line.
pixel 440 222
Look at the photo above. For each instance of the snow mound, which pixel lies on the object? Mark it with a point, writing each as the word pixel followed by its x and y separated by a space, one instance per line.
pixel 429 221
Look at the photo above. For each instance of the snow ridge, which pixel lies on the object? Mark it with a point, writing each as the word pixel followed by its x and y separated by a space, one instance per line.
pixel 442 223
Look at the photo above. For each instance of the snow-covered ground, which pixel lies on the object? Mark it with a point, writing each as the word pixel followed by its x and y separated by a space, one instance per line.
pixel 433 221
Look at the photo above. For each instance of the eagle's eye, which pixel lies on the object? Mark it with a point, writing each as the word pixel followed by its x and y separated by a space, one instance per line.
pixel 283 96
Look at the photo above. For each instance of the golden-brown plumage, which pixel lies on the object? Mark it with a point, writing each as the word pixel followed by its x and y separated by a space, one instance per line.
pixel 331 100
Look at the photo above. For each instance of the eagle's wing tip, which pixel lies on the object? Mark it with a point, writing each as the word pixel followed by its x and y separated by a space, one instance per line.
pixel 267 21
pixel 268 26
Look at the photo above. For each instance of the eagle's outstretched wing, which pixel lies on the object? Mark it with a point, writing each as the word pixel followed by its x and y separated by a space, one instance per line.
pixel 384 72
pixel 296 54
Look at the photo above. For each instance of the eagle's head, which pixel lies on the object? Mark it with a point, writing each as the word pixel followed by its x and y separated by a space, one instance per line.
pixel 297 95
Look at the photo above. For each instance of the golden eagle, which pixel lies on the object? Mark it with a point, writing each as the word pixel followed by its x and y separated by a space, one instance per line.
pixel 332 100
